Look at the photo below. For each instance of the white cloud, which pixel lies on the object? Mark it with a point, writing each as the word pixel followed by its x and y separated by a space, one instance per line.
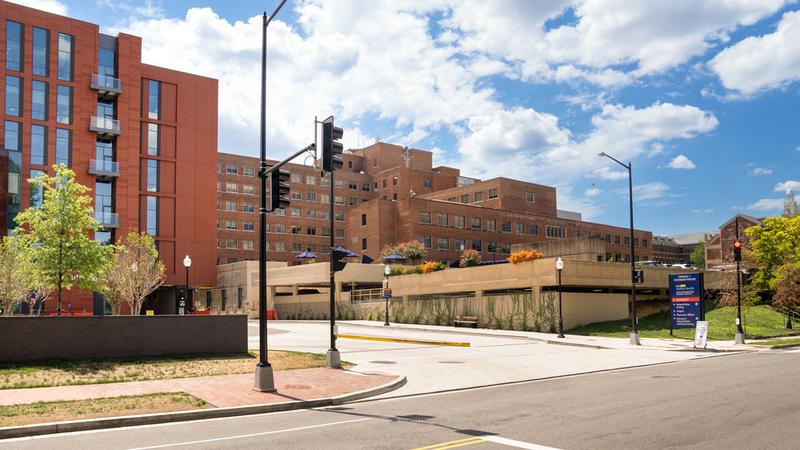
pixel 52 6
pixel 593 191
pixel 788 184
pixel 757 171
pixel 766 204
pixel 605 173
pixel 762 63
pixel 649 191
pixel 703 211
pixel 681 162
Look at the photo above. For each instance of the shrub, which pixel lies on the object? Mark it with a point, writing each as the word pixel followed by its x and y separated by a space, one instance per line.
pixel 396 270
pixel 432 266
pixel 524 255
pixel 411 250
pixel 469 258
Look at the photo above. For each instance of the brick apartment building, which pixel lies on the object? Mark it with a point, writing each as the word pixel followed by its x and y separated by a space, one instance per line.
pixel 387 194
pixel 719 250
pixel 143 138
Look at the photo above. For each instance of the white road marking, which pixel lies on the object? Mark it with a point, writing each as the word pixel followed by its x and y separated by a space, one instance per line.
pixel 515 443
pixel 265 433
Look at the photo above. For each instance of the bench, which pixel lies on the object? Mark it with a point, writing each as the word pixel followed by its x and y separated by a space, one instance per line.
pixel 466 321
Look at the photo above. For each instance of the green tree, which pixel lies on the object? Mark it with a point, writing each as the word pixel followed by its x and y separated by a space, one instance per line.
pixel 698 256
pixel 11 271
pixel 773 244
pixel 134 273
pixel 61 252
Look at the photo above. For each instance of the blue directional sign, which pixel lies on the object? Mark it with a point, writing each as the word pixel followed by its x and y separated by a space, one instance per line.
pixel 686 293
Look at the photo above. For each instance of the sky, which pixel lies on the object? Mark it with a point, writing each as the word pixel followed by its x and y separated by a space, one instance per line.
pixel 702 97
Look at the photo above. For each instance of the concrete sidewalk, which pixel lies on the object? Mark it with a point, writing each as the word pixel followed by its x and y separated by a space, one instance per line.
pixel 219 391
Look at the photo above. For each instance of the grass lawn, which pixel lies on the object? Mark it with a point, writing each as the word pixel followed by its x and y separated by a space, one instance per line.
pixel 64 373
pixel 772 342
pixel 758 321
pixel 41 412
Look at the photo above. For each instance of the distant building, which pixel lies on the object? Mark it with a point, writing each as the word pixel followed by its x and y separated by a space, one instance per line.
pixel 790 208
pixel 719 250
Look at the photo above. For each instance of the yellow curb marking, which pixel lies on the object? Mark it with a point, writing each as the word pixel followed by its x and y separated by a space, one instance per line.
pixel 452 444
pixel 402 341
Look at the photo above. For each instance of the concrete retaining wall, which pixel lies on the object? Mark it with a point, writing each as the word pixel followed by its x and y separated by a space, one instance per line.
pixel 41 338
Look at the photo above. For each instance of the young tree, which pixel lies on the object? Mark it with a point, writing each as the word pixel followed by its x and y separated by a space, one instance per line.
pixel 787 289
pixel 136 270
pixel 772 245
pixel 11 289
pixel 62 253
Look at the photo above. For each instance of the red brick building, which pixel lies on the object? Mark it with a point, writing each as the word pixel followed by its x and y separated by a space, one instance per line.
pixel 387 194
pixel 143 138
pixel 719 250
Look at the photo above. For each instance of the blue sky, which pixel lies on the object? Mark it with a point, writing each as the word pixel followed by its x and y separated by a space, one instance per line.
pixel 702 97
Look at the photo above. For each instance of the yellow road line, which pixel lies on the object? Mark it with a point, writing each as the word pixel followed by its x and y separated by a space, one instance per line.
pixel 452 444
pixel 403 341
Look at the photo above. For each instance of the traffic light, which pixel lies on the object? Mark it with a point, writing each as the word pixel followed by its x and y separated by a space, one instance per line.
pixel 331 148
pixel 336 260
pixel 737 250
pixel 280 189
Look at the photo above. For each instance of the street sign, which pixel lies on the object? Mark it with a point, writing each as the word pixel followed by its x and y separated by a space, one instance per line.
pixel 686 293
pixel 387 293
pixel 701 334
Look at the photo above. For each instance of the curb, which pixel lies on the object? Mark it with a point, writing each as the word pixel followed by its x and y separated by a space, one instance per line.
pixel 403 341
pixel 780 346
pixel 182 416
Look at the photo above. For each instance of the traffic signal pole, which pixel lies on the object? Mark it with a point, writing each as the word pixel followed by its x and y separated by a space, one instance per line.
pixel 737 255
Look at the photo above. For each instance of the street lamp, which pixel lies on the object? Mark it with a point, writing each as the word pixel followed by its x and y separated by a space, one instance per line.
pixel 187 262
pixel 634 338
pixel 386 271
pixel 559 268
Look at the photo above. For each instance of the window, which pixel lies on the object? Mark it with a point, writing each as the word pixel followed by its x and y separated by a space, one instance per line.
pixel 534 229
pixel 353 186
pixel 296 230
pixel 13 46
pixel 529 197
pixel 152 216
pixel 443 243
pixel 426 241
pixel 459 221
pixel 296 195
pixel 644 243
pixel 231 187
pixel 153 97
pixel 520 228
pixel 451 199
pixel 311 180
pixel 325 232
pixel 311 213
pixel 627 240
pixel 491 225
pixel 230 168
pixel 64 57
pixel 37 194
pixel 249 171
pixel 491 247
pixel 230 225
pixel 325 181
pixel 475 223
pixel 394 181
pixel 556 232
pixel 248 208
pixel 13 96
pixel 340 216
pixel 339 200
pixel 384 184
pixel 365 187
pixel 506 227
pixel 339 233
pixel 152 175
pixel 476 245
pixel 352 201
pixel 106 65
pixel 230 205
pixel 63 147
pixel 506 249
pixel 635 242
pixel 280 228
pixel 38 100
pixel 311 231
pixel 374 162
pixel 240 290
pixel 64 104
pixel 231 243
pixel 441 220
pixel 616 240
pixel 492 193
pixel 311 196
pixel 461 245
pixel 38 144
pixel 608 239
pixel 13 138
pixel 296 247
pixel 363 220
pixel 478 196
pixel 41 47
pixel 295 212
pixel 296 178
pixel 465 198
pixel 248 226
pixel 427 183
pixel 425 217
pixel 280 212
pixel 324 198
pixel 280 246
pixel 363 244
pixel 153 147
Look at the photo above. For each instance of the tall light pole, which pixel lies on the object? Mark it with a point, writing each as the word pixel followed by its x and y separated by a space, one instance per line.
pixel 559 268
pixel 264 379
pixel 187 262
pixel 634 338
pixel 386 271
pixel 737 255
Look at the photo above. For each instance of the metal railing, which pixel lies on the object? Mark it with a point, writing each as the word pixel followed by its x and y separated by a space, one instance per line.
pixel 105 125
pixel 103 167
pixel 366 295
pixel 107 219
pixel 106 83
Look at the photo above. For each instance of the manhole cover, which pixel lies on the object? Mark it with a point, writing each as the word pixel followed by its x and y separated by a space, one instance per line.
pixel 451 362
pixel 382 362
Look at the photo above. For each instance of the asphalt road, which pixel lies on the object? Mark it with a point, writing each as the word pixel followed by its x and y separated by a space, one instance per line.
pixel 748 401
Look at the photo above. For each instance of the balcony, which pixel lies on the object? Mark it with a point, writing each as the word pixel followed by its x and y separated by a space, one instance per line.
pixel 106 85
pixel 107 219
pixel 102 168
pixel 104 126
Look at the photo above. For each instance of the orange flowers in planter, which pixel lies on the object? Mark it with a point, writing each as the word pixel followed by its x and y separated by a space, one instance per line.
pixel 432 266
pixel 524 255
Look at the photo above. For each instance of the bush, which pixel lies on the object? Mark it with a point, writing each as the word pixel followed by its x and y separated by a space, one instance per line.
pixel 396 270
pixel 411 250
pixel 469 258
pixel 432 266
pixel 524 255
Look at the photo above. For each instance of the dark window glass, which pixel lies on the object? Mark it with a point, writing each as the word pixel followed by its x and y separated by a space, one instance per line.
pixel 12 136
pixel 13 46
pixel 104 150
pixel 64 105
pixel 103 198
pixel 41 46
pixel 38 144
pixel 63 147
pixel 106 62
pixel 65 57
pixel 13 96
pixel 38 100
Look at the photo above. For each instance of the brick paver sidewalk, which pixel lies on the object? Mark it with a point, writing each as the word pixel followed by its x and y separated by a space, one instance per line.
pixel 220 391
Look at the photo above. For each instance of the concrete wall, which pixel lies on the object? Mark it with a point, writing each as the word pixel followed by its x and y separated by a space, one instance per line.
pixel 42 338
pixel 582 249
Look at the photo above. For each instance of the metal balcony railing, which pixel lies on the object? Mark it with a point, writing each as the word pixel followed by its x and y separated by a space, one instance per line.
pixel 103 168
pixel 106 84
pixel 107 219
pixel 104 125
